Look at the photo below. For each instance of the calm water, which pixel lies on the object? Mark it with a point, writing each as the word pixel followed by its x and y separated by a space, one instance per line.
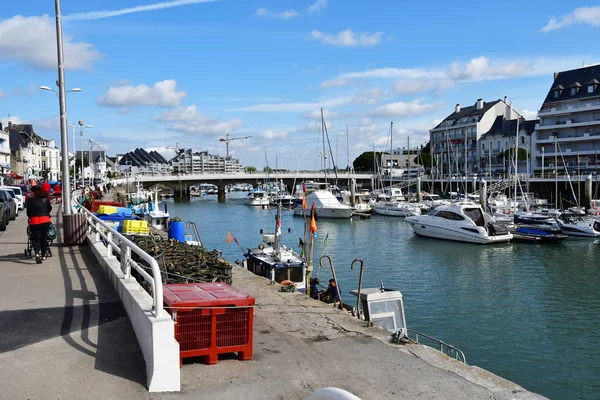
pixel 529 313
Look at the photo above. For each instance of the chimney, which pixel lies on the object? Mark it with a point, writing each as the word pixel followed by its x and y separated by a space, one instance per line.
pixel 9 124
pixel 505 98
pixel 555 75
pixel 479 104
pixel 457 108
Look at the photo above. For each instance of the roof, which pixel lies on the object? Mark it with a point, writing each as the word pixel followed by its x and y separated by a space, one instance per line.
pixel 504 127
pixel 469 112
pixel 568 79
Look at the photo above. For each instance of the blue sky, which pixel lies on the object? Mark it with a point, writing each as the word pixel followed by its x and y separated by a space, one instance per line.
pixel 155 73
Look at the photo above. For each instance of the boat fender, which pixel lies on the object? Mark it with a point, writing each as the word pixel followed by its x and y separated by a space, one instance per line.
pixel 287 283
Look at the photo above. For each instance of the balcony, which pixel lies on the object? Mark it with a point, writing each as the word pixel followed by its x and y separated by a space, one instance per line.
pixel 579 138
pixel 567 124
pixel 566 153
pixel 570 108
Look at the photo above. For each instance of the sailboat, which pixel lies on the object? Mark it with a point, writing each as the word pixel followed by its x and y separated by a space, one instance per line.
pixel 392 207
pixel 275 261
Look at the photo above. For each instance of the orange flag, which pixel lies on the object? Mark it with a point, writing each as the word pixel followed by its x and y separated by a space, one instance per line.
pixel 313 224
pixel 304 203
pixel 229 237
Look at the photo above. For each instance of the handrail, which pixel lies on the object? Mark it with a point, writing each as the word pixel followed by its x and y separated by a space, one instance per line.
pixel 445 348
pixel 124 248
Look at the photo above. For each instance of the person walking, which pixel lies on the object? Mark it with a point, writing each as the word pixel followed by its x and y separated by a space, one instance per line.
pixel 46 187
pixel 38 212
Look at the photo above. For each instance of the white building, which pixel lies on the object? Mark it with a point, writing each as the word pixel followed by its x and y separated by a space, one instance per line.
pixel 4 151
pixel 466 125
pixel 188 161
pixel 569 127
pixel 49 159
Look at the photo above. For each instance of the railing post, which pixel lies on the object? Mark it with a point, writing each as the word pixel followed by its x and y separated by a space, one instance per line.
pixel 109 247
pixel 97 227
pixel 127 257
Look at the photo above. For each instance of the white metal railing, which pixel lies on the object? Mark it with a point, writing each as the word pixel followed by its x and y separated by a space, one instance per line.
pixel 115 242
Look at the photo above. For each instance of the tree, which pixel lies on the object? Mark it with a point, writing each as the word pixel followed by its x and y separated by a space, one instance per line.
pixel 425 160
pixel 364 162
pixel 509 154
pixel 268 169
pixel 250 169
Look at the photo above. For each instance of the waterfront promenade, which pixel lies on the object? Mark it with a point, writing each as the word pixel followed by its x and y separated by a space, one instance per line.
pixel 65 336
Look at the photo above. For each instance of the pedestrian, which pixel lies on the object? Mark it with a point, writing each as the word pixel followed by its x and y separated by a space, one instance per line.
pixel 38 212
pixel 57 190
pixel 332 295
pixel 46 187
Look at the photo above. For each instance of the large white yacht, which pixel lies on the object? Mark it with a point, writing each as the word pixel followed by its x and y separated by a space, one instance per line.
pixel 326 206
pixel 463 221
pixel 396 209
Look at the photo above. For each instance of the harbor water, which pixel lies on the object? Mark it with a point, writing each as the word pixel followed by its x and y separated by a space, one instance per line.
pixel 529 313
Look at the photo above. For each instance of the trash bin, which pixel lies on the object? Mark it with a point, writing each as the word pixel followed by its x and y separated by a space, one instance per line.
pixel 74 227
pixel 177 231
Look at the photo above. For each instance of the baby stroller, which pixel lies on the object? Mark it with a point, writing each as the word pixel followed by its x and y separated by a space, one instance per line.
pixel 30 252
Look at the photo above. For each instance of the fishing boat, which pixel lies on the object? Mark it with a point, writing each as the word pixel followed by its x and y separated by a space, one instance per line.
pixel 462 221
pixel 195 191
pixel 544 216
pixel 275 261
pixel 326 206
pixel 541 233
pixel 257 198
pixel 154 215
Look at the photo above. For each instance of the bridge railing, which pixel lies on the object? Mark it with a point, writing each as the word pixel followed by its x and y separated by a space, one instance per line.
pixel 115 242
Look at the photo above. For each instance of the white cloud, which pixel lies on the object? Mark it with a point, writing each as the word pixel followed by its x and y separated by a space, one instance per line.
pixel 368 96
pixel 48 124
pixel 420 80
pixel 401 109
pixel 162 94
pixel 265 13
pixel 529 115
pixel 347 38
pixel 295 107
pixel 581 15
pixel 13 119
pixel 336 83
pixel 274 134
pixel 317 6
pixel 3 94
pixel 32 41
pixel 115 13
pixel 190 120
pixel 316 114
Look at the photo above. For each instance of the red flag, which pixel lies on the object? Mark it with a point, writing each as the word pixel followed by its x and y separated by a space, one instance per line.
pixel 303 187
pixel 229 237
pixel 278 226
pixel 313 212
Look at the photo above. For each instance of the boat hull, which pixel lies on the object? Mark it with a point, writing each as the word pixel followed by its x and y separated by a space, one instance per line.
pixel 334 213
pixel 438 232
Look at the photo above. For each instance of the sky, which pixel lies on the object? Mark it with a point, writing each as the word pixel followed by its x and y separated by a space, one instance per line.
pixel 185 73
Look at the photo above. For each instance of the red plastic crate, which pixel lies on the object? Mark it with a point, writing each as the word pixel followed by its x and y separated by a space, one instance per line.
pixel 210 319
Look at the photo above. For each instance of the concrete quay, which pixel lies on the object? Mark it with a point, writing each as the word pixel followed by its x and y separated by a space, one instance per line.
pixel 65 335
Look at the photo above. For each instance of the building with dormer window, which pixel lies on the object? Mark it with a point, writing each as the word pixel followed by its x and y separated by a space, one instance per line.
pixel 569 127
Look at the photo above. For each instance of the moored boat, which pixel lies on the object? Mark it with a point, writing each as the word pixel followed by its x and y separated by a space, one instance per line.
pixel 326 206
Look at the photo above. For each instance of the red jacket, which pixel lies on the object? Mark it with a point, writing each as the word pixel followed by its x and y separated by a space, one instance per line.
pixel 46 187
pixel 57 190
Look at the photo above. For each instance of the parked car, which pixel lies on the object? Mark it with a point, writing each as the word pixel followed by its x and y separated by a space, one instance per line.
pixel 7 196
pixel 4 211
pixel 20 197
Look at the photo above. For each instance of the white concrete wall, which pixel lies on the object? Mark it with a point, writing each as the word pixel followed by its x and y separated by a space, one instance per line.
pixel 156 336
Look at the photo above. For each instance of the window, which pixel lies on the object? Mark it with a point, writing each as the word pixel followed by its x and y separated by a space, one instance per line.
pixel 590 89
pixel 573 91
pixel 522 139
pixel 498 144
pixel 555 94
pixel 482 146
pixel 506 144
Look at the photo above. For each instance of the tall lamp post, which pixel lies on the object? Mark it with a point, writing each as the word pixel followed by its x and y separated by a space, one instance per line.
pixel 81 129
pixel 91 148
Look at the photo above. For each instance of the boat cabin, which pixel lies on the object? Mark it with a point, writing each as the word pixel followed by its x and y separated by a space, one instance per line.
pixel 384 307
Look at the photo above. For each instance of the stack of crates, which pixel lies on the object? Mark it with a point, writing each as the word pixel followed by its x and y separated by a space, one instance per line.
pixel 135 227
pixel 210 319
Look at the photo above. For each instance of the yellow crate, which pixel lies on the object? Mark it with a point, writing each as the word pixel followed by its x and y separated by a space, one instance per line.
pixel 107 210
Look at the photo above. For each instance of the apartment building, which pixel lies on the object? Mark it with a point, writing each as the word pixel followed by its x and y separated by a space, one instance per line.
pixel 4 151
pixel 568 133
pixel 454 142
pixel 188 161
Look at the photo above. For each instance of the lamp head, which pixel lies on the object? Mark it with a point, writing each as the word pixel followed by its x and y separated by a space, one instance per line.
pixel 45 88
pixel 80 122
pixel 76 89
pixel 71 125
pixel 90 126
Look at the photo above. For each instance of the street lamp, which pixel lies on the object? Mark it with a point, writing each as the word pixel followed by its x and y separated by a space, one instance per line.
pixel 70 90
pixel 91 165
pixel 81 129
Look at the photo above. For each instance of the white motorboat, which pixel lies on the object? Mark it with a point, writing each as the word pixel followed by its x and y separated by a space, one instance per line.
pixel 258 198
pixel 396 208
pixel 433 200
pixel 462 221
pixel 155 217
pixel 573 225
pixel 326 206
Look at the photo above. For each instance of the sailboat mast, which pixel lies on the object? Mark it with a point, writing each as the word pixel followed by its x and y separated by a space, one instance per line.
pixel 348 153
pixel 391 160
pixel 516 156
pixel 277 229
pixel 324 154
